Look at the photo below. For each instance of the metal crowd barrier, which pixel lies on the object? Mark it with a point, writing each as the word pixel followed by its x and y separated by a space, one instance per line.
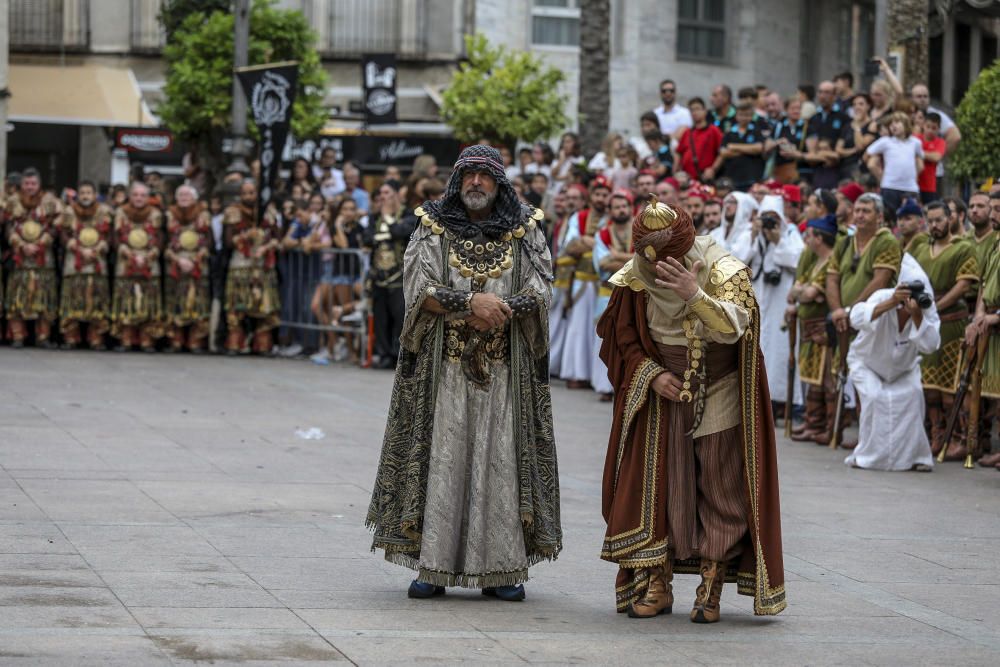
pixel 301 273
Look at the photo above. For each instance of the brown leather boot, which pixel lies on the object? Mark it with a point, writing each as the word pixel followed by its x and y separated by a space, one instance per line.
pixel 43 330
pixel 176 338
pixel 71 334
pixel 234 340
pixel 16 331
pixel 659 597
pixel 262 342
pixel 709 594
pixel 95 335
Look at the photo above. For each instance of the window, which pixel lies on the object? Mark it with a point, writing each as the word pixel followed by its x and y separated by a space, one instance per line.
pixel 701 29
pixel 555 22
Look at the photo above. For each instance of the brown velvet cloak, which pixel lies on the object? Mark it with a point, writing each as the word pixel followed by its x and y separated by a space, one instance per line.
pixel 635 477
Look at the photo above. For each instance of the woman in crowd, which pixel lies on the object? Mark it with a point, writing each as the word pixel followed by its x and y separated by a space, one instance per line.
pixel 569 154
pixel 606 159
pixel 859 138
pixel 302 176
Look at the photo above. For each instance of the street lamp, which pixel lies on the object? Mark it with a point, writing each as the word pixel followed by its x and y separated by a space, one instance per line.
pixel 240 149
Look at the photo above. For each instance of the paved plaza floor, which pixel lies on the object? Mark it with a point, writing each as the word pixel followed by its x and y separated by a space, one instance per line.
pixel 160 509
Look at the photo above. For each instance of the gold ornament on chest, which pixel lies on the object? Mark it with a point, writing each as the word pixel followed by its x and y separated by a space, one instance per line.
pixel 189 240
pixel 31 231
pixel 480 258
pixel 138 239
pixel 89 237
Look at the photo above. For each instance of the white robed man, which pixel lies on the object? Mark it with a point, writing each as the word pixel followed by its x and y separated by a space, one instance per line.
pixel 893 331
pixel 573 198
pixel 578 353
pixel 737 209
pixel 771 249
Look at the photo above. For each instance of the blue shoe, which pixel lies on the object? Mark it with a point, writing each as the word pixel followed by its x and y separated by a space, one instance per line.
pixel 421 591
pixel 506 593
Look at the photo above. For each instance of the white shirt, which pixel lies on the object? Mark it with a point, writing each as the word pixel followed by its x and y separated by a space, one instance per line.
pixel 880 345
pixel 899 162
pixel 671 121
pixel 332 185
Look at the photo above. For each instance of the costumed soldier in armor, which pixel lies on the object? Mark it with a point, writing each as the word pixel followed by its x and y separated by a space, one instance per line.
pixel 387 237
pixel 187 302
pixel 252 302
pixel 137 303
pixel 690 479
pixel 31 225
pixel 86 287
pixel 467 488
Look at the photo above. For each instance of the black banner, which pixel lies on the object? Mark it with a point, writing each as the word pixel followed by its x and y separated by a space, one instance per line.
pixel 270 91
pixel 378 77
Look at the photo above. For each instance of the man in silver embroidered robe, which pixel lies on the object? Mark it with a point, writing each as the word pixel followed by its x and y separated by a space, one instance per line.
pixel 467 488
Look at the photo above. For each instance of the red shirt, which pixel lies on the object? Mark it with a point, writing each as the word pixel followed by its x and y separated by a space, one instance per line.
pixel 927 179
pixel 707 141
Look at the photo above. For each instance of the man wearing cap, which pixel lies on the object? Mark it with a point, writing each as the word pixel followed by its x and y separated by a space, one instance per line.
pixel 862 263
pixel 911 226
pixel 137 302
pixel 792 196
pixel 467 487
pixel 951 265
pixel 578 354
pixel 808 305
pixel 31 218
pixel 690 478
pixel 612 249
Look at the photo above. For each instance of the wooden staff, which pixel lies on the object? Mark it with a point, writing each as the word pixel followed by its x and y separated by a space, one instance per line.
pixel 790 390
pixel 842 344
pixel 972 444
pixel 965 380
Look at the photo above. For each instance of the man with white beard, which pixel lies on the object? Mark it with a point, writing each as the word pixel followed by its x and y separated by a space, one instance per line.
pixel 737 209
pixel 771 249
pixel 893 331
pixel 581 334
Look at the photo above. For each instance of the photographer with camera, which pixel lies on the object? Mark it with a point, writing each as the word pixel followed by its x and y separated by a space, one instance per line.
pixel 895 326
pixel 953 268
pixel 771 248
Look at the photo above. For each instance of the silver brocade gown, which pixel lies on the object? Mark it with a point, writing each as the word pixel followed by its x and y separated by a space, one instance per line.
pixel 472 533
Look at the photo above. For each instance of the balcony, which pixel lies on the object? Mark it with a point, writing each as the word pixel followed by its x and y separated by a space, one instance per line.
pixel 147 35
pixel 49 25
pixel 350 28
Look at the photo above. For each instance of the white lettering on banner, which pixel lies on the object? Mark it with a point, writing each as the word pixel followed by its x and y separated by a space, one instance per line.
pixel 270 99
pixel 398 150
pixel 375 78
pixel 381 102
pixel 153 143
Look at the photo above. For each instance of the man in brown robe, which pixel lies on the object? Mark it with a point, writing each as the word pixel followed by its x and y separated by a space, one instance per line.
pixel 690 480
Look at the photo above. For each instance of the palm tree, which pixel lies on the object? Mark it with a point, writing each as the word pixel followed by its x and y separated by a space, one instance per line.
pixel 595 58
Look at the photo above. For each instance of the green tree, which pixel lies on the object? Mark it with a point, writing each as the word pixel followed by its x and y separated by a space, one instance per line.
pixel 978 117
pixel 198 91
pixel 503 96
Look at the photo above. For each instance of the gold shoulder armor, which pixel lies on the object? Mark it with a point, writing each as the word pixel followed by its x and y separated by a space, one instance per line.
pixel 626 278
pixel 724 269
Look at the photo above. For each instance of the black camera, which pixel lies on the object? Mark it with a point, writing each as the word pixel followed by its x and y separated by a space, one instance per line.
pixel 918 294
pixel 772 277
pixel 769 222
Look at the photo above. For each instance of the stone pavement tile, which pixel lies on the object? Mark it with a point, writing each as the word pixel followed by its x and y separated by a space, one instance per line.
pixel 15 505
pixel 128 561
pixel 590 649
pixel 192 499
pixel 244 646
pixel 919 655
pixel 216 618
pixel 174 589
pixel 28 454
pixel 42 562
pixel 51 579
pixel 893 568
pixel 133 457
pixel 975 601
pixel 364 621
pixel 710 649
pixel 159 539
pixel 41 617
pixel 87 500
pixel 250 535
pixel 33 538
pixel 84 649
pixel 320 574
pixel 33 596
pixel 437 650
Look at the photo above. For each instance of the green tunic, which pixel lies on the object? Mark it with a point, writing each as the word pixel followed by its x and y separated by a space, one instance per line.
pixel 856 269
pixel 940 370
pixel 991 300
pixel 812 321
pixel 984 248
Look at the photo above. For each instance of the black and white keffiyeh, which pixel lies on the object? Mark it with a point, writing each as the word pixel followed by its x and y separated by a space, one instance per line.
pixel 449 211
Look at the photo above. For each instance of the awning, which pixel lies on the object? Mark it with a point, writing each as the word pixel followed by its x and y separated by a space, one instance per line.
pixel 76 95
